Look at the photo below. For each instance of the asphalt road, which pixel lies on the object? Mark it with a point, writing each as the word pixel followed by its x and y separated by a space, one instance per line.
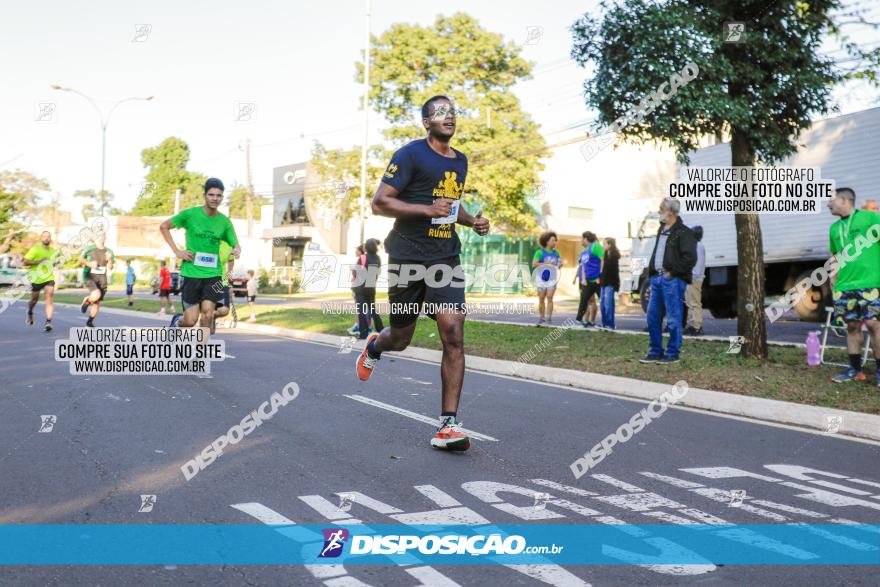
pixel 118 437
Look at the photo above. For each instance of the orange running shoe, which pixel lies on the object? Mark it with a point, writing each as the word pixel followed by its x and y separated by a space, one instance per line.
pixel 450 436
pixel 365 363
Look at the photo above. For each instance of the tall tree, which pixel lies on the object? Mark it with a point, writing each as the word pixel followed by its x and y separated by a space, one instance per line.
pixel 19 205
pixel 97 203
pixel 477 69
pixel 167 173
pixel 760 92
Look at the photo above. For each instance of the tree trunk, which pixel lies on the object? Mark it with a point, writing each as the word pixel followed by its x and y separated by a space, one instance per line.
pixel 750 274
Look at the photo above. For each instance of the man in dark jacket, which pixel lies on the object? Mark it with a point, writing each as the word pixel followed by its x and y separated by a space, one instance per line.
pixel 670 270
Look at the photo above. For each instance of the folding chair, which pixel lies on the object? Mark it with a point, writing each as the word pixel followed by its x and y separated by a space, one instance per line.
pixel 840 332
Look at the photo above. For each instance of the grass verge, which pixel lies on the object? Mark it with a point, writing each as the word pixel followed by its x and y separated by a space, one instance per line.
pixel 705 364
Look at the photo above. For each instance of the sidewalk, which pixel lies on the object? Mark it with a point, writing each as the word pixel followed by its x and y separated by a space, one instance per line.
pixel 814 418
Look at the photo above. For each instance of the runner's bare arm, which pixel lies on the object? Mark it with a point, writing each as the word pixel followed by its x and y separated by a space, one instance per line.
pixel 478 223
pixel 165 229
pixel 387 203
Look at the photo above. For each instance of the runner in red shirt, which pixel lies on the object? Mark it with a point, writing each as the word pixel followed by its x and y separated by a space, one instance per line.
pixel 165 289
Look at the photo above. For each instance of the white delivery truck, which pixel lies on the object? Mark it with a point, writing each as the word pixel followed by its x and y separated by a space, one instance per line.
pixel 846 150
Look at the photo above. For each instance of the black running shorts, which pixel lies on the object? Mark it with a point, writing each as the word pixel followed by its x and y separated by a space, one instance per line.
pixel 197 289
pixel 97 282
pixel 417 286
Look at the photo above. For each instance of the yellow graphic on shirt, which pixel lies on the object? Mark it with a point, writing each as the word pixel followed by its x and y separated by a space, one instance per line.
pixel 448 187
pixel 441 231
pixel 392 169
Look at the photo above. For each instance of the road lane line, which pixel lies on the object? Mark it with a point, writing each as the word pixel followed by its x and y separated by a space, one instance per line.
pixel 415 416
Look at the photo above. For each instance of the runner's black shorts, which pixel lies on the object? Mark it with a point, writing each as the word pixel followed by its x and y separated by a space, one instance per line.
pixel 197 289
pixel 97 282
pixel 441 285
pixel 592 288
pixel 39 286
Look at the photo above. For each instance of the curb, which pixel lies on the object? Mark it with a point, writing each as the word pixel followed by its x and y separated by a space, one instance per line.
pixel 855 424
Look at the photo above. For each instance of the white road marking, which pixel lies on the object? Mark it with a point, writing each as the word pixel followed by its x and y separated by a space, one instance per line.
pixel 671 480
pixel 448 516
pixel 415 416
pixel 727 473
pixel 332 511
pixel 617 483
pixel 703 517
pixel 565 488
pixel 263 514
pixel 640 502
pixel 789 509
pixel 418 381
pixel 438 496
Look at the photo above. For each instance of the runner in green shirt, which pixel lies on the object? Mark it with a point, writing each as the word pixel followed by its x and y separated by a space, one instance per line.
pixel 97 261
pixel 201 268
pixel 856 285
pixel 42 257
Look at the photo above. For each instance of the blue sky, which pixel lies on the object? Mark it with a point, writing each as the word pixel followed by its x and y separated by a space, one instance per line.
pixel 293 60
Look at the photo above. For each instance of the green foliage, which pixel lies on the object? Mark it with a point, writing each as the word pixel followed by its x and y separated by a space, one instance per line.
pixel 95 202
pixel 340 171
pixel 767 88
pixel 237 201
pixel 166 163
pixel 477 69
pixel 19 205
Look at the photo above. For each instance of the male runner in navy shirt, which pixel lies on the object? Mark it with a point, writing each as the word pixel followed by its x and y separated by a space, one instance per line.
pixel 422 189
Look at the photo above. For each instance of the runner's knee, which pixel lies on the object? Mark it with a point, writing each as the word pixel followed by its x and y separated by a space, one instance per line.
pixel 452 335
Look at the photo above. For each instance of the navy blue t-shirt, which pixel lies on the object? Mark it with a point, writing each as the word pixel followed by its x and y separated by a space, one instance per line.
pixel 422 175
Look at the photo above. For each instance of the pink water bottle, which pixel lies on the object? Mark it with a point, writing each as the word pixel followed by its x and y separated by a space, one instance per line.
pixel 814 349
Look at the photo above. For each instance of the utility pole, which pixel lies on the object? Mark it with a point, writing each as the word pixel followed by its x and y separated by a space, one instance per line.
pixel 366 123
pixel 56 221
pixel 249 197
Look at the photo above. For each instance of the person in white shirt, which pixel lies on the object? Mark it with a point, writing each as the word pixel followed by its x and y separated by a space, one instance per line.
pixel 251 294
pixel 693 296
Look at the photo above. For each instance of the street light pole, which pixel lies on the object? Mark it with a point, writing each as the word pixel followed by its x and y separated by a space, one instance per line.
pixel 363 199
pixel 104 123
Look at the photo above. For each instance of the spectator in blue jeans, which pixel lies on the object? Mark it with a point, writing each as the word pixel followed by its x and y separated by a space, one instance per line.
pixel 610 282
pixel 670 270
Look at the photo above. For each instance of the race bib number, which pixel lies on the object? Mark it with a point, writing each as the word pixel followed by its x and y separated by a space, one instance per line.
pixel 205 260
pixel 98 270
pixel 452 218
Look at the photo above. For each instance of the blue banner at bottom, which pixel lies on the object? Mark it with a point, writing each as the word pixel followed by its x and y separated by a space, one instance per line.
pixel 564 544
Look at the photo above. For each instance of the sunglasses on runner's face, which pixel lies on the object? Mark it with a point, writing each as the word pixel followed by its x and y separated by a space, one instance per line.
pixel 442 111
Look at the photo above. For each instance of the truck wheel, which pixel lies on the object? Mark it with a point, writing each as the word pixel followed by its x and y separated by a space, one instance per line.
pixel 811 307
pixel 645 294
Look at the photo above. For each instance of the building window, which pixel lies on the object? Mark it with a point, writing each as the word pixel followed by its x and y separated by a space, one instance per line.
pixel 580 213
